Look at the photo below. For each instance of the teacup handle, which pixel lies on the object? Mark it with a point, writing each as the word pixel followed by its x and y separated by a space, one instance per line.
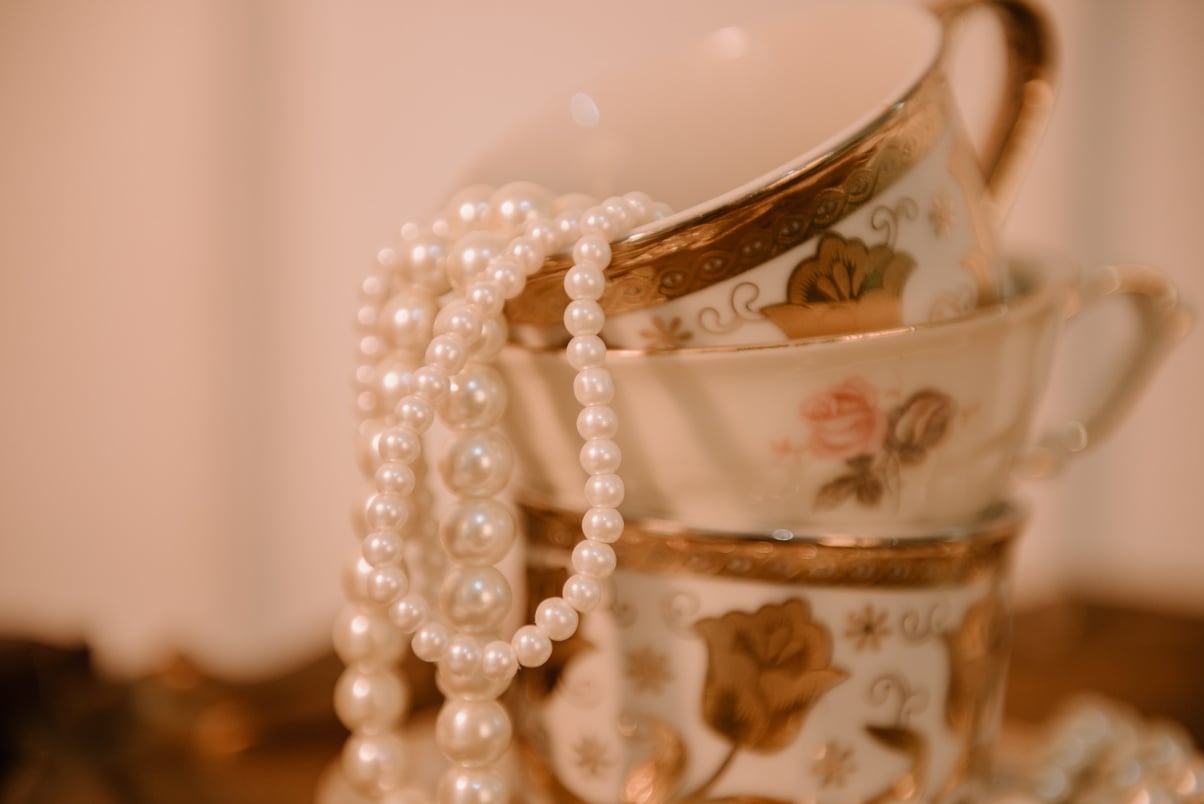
pixel 1028 91
pixel 1163 320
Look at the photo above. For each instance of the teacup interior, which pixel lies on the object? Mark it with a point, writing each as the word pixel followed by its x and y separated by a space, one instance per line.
pixel 712 120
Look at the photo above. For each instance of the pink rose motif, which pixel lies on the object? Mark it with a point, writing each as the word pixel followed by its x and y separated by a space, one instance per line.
pixel 845 420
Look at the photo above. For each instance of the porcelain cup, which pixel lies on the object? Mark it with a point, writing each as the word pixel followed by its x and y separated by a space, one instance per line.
pixel 823 181
pixel 905 428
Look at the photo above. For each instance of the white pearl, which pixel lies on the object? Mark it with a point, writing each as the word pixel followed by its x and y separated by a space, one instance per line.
pixel 584 317
pixel 410 613
pixel 374 762
pixel 477 463
pixel 359 582
pixel 469 686
pixel 469 208
pixel 498 661
pixel 386 510
pixel 595 559
pixel 383 547
pixel 429 384
pixel 447 353
pixel 593 386
pixel 398 444
pixel 373 288
pixel 429 641
pixel 515 203
pixel 370 347
pixel 388 583
pixel 473 733
pixel 531 646
pixel 468 258
pixel 508 275
pixel 604 491
pixel 406 319
pixel 462 657
pixel 600 456
pixel 618 211
pixel 585 351
pixel 528 254
pixel 485 298
pixel 568 225
pixel 370 701
pixel 639 206
pixel 585 281
pixel 582 592
pixel 426 259
pixel 394 477
pixel 574 201
pixel 592 249
pixel 494 335
pixel 661 210
pixel 390 378
pixel 597 421
pixel 415 413
pixel 602 524
pixel 475 599
pixel 472 786
pixel 476 398
pixel 556 618
pixel 457 318
pixel 544 232
pixel 478 531
pixel 366 638
pixel 595 220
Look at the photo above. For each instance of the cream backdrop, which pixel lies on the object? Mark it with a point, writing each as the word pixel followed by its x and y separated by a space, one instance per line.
pixel 191 191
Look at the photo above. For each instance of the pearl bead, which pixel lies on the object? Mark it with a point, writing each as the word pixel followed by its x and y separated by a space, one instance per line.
pixel 640 206
pixel 374 762
pixel 472 786
pixel 370 347
pixel 600 456
pixel 585 351
pixel 383 547
pixel 596 220
pixel 592 249
pixel 429 384
pixel 661 210
pixel 457 318
pixel 473 733
pixel 485 298
pixel 595 559
pixel 469 208
pixel 602 524
pixel 508 275
pixel 447 353
pixel 370 701
pixel 556 618
pixel 604 491
pixel 584 317
pixel 398 444
pixel 386 511
pixel 476 398
pixel 544 232
pixel 462 657
pixel 578 202
pixel 593 386
pixel 531 646
pixel 568 225
pixel 494 335
pixel 585 281
pixel 475 599
pixel 406 319
pixel 528 254
pixel 373 288
pixel 515 203
pixel 477 463
pixel 429 641
pixel 394 477
pixel 357 581
pixel 415 413
pixel 597 421
pixel 478 531
pixel 468 258
pixel 390 377
pixel 366 638
pixel 388 583
pixel 426 258
pixel 498 661
pixel 409 613
pixel 582 592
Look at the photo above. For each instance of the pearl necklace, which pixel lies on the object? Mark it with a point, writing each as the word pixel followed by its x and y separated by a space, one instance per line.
pixel 423 361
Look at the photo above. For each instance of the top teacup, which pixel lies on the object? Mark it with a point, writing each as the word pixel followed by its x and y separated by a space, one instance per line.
pixel 823 180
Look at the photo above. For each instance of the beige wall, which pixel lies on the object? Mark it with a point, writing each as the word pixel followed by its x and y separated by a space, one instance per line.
pixel 191 191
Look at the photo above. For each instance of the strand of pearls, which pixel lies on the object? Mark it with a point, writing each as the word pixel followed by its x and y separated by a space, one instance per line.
pixel 432 324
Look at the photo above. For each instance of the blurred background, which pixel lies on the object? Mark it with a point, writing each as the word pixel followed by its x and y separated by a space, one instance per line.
pixel 190 192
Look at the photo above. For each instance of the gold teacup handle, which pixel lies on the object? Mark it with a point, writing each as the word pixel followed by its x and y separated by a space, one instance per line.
pixel 1163 320
pixel 1028 90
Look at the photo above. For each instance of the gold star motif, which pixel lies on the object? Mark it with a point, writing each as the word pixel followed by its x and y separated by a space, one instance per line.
pixel 833 765
pixel 648 669
pixel 591 756
pixel 666 335
pixel 867 628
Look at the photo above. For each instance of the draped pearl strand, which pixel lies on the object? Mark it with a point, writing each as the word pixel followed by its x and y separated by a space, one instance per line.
pixel 432 325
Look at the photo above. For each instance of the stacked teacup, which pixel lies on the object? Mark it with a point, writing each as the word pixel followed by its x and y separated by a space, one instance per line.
pixel 825 374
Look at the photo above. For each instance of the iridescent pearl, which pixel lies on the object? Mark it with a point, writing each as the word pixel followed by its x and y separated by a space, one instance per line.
pixel 515 203
pixel 531 646
pixel 415 413
pixel 604 491
pixel 582 592
pixel 596 220
pixel 390 378
pixel 468 258
pixel 478 531
pixel 594 559
pixel 373 289
pixel 600 456
pixel 473 733
pixel 618 210
pixel 457 318
pixel 498 661
pixel 462 657
pixel 383 547
pixel 485 298
pixel 357 581
pixel 429 641
pixel 584 317
pixel 425 256
pixel 398 444
pixel 366 316
pixel 469 208
pixel 592 249
pixel 388 583
pixel 544 232
pixel 429 384
pixel 477 463
pixel 603 524
pixel 386 511
pixel 509 276
pixel 394 477
pixel 556 618
pixel 494 335
pixel 527 253
pixel 640 206
pixel 366 638
pixel 374 762
pixel 472 786
pixel 597 421
pixel 409 613
pixel 568 225
pixel 370 701
pixel 407 318
pixel 585 351
pixel 475 599
pixel 594 386
pixel 447 354
pixel 476 398
pixel 584 281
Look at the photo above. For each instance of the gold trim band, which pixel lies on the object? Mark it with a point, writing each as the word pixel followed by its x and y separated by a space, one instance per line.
pixel 950 557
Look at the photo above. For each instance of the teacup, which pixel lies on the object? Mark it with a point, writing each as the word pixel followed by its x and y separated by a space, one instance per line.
pixel 915 426
pixel 824 182
pixel 819 667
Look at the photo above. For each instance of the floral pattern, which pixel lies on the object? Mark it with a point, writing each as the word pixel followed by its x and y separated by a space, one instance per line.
pixel 846 286
pixel 648 670
pixel 867 628
pixel 940 214
pixel 662 334
pixel 833 765
pixel 591 756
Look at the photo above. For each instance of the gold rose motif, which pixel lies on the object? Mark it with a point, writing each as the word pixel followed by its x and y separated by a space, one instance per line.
pixel 847 286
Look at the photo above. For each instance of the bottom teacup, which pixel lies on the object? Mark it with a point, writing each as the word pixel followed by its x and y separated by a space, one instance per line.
pixel 732 668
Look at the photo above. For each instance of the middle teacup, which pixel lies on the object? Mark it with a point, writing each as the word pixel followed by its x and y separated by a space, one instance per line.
pixel 917 426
